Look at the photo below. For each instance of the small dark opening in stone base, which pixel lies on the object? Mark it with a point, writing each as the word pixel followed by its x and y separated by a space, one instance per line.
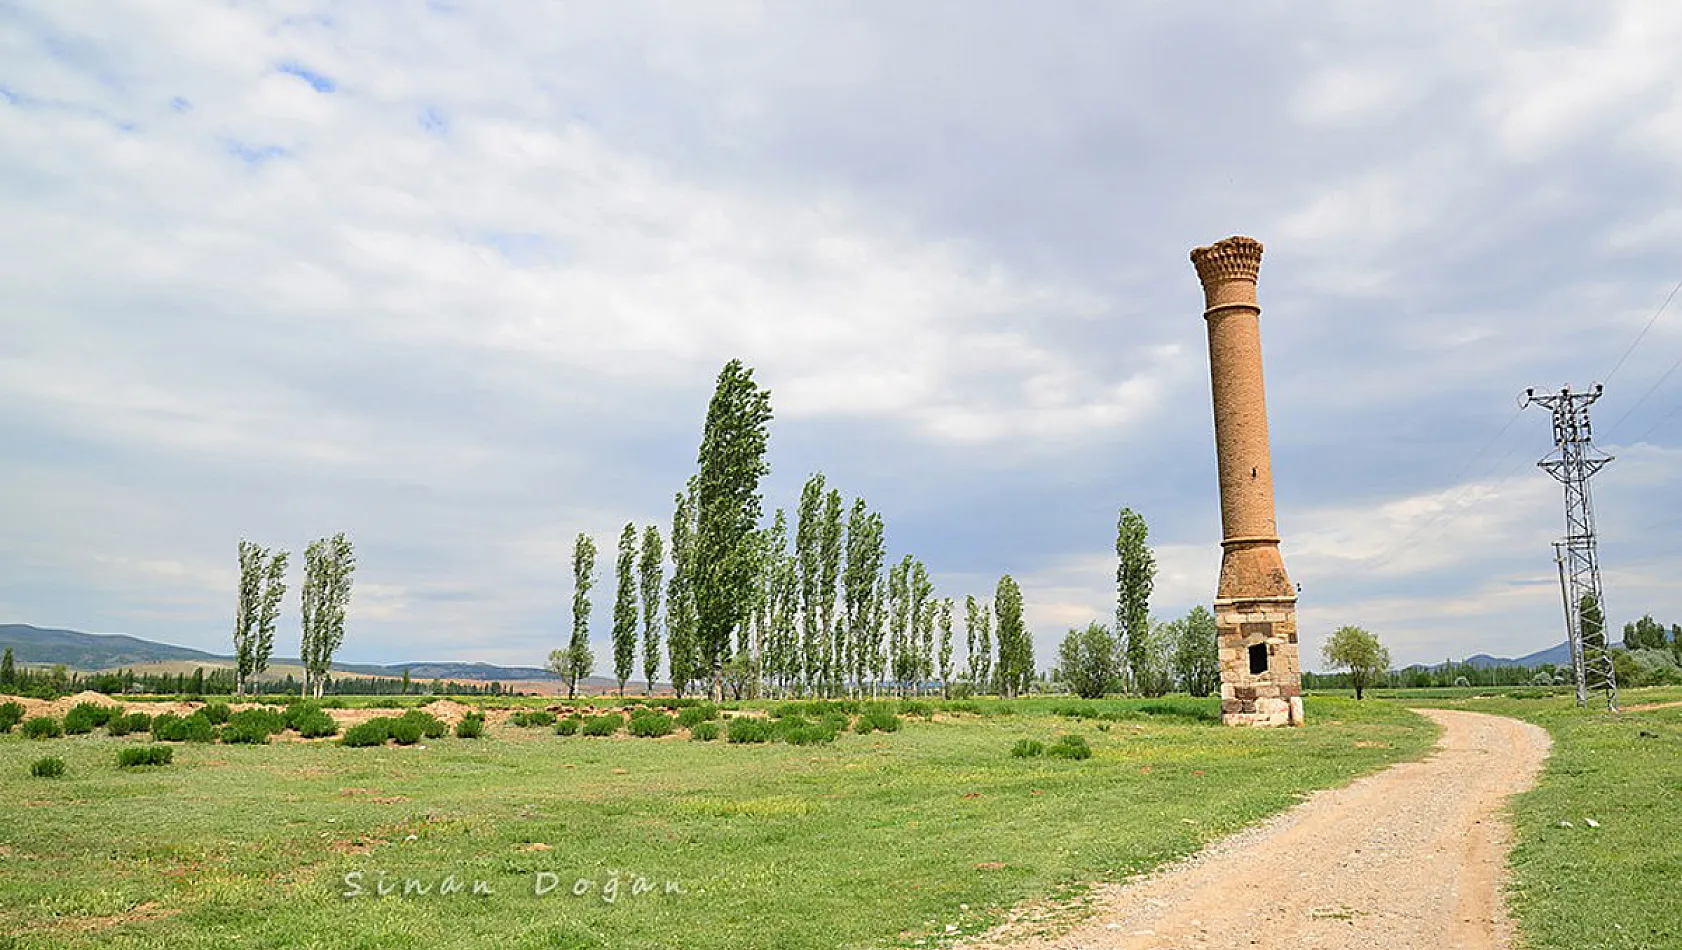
pixel 1258 659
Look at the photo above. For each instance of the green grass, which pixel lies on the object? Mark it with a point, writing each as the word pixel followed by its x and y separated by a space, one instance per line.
pixel 871 840
pixel 1618 886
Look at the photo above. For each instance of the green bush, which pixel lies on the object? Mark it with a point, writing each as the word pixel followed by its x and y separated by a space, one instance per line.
pixel 244 734
pixel 705 731
pixel 404 731
pixel 144 755
pixel 129 722
pixel 802 732
pixel 49 767
pixel 1069 747
pixel 217 713
pixel 651 725
pixel 748 729
pixel 604 725
pixel 536 717
pixel 878 720
pixel 472 726
pixel 913 707
pixel 1027 748
pixel 42 727
pixel 700 712
pixel 569 726
pixel 299 710
pixel 169 727
pixel 86 717
pixel 430 726
pixel 370 733
pixel 315 724
pixel 268 720
pixel 10 715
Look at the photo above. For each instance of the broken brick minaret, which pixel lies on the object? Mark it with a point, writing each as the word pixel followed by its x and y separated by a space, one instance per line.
pixel 1255 601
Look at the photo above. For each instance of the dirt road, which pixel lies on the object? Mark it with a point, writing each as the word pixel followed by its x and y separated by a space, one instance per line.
pixel 1410 857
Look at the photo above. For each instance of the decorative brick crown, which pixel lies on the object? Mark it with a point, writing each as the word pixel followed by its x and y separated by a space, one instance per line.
pixel 1236 258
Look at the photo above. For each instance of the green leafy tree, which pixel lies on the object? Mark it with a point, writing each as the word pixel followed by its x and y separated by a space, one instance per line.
pixel 830 541
pixel 921 645
pixel 946 647
pixel 625 608
pixel 1016 649
pixel 8 670
pixel 808 533
pixel 1195 648
pixel 329 567
pixel 1676 640
pixel 1153 660
pixel 1354 649
pixel 783 665
pixel 649 575
pixel 1088 661
pixel 1644 634
pixel 262 587
pixel 578 648
pixel 984 643
pixel 681 651
pixel 1135 576
pixel 972 629
pixel 732 461
pixel 864 552
pixel 1592 617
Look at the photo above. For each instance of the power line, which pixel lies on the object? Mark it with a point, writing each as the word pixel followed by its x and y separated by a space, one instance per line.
pixel 1650 390
pixel 1639 336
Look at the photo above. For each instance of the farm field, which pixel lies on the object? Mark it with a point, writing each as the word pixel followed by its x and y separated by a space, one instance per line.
pixel 888 839
pixel 1595 862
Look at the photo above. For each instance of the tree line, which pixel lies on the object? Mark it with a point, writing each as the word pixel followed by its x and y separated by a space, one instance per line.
pixel 57 680
pixel 808 606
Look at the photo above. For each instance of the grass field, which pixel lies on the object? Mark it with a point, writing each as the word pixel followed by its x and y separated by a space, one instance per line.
pixel 1617 886
pixel 887 839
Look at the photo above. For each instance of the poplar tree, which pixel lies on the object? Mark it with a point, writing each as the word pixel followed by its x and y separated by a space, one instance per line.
pixel 329 566
pixel 899 617
pixel 262 586
pixel 732 461
pixel 1016 651
pixel 578 659
pixel 946 647
pixel 986 646
pixel 1135 575
pixel 680 595
pixel 829 569
pixel 625 608
pixel 649 569
pixel 8 669
pixel 808 533
pixel 972 652
pixel 859 582
pixel 921 643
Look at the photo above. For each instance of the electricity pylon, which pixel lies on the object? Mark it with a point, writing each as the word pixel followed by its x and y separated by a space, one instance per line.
pixel 1572 463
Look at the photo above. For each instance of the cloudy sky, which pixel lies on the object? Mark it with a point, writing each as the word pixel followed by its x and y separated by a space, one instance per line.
pixel 457 278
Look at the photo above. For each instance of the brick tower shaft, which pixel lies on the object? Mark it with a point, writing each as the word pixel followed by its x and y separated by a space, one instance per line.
pixel 1255 601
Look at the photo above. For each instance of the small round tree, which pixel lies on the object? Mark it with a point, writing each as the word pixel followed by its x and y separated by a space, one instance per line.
pixel 1354 649
pixel 1089 661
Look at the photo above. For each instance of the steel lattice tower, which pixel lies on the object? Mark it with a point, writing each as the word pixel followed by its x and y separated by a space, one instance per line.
pixel 1572 463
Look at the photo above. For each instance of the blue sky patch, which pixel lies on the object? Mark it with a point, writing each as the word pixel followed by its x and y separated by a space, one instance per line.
pixel 180 105
pixel 433 121
pixel 254 154
pixel 317 81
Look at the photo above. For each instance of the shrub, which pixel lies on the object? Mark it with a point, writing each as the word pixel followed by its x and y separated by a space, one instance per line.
pixel 315 724
pixel 704 731
pixel 10 715
pixel 605 725
pixel 912 707
pixel 569 726
pixel 404 731
pixel 651 725
pixel 245 733
pixel 386 704
pixel 1069 747
pixel 811 733
pixel 787 710
pixel 748 729
pixel 129 722
pixel 700 712
pixel 430 726
pixel 144 755
pixel 362 735
pixel 169 727
pixel 49 767
pixel 876 719
pixel 299 710
pixel 536 717
pixel 1027 748
pixel 472 726
pixel 86 717
pixel 42 727
pixel 217 713
pixel 269 720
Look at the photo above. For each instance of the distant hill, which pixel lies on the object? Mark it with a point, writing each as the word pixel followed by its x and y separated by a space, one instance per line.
pixel 1559 655
pixel 88 652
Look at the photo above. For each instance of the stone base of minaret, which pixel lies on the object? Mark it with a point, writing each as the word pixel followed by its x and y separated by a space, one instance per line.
pixel 1261 678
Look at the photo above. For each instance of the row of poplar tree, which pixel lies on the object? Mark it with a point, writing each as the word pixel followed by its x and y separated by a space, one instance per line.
pixel 329 564
pixel 746 611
